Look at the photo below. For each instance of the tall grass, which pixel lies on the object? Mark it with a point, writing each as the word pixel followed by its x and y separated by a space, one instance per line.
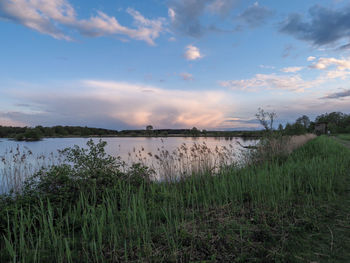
pixel 18 164
pixel 239 215
pixel 345 137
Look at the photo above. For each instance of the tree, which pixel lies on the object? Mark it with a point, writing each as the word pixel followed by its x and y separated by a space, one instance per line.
pixel 266 119
pixel 304 120
pixel 280 127
pixel 195 131
pixel 149 127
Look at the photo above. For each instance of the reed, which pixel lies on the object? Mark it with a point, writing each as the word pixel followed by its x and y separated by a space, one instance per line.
pixel 241 214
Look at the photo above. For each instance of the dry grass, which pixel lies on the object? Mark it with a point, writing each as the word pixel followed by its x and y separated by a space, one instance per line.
pixel 17 164
pixel 186 160
pixel 276 146
pixel 298 140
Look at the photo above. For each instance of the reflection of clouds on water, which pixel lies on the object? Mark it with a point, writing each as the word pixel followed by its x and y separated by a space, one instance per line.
pixel 170 157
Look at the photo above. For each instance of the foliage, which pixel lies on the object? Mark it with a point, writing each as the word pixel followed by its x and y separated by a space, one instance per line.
pixel 84 169
pixel 26 133
pixel 304 121
pixel 338 122
pixel 256 214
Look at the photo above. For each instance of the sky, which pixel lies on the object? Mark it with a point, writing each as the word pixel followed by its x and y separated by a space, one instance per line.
pixel 210 64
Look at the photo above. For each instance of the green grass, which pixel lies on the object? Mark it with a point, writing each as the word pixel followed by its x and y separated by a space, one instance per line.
pixel 345 137
pixel 269 213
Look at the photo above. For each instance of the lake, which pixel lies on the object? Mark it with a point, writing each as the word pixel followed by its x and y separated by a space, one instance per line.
pixel 168 156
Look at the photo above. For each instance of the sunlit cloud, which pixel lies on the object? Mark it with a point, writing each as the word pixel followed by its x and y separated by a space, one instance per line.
pixel 293 83
pixel 121 104
pixel 325 63
pixel 311 58
pixel 54 17
pixel 9 122
pixel 192 53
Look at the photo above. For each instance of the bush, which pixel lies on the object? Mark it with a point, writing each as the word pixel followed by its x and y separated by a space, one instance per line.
pixel 85 170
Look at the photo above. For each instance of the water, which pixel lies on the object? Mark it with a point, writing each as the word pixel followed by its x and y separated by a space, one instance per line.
pixel 117 146
pixel 177 155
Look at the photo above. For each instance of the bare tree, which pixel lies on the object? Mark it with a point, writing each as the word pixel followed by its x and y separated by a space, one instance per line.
pixel 266 119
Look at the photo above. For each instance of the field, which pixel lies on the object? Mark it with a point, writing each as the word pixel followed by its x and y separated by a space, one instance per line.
pixel 285 209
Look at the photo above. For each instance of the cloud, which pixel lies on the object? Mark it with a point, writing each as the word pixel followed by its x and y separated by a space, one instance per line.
pixel 325 63
pixel 186 15
pixel 255 15
pixel 291 69
pixel 5 121
pixel 311 58
pixel 192 53
pixel 186 76
pixel 324 26
pixel 123 105
pixel 338 95
pixel 337 68
pixel 172 14
pixel 57 17
pixel 222 7
pixel 269 81
pixel 344 47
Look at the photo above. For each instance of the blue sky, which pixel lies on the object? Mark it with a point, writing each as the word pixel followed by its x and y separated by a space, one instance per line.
pixel 174 64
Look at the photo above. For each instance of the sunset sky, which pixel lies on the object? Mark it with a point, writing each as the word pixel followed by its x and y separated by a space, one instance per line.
pixel 211 64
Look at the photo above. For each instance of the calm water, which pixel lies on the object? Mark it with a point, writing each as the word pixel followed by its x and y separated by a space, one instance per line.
pixel 180 153
pixel 121 146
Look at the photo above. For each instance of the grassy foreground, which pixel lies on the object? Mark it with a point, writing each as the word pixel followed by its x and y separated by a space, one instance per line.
pixel 272 212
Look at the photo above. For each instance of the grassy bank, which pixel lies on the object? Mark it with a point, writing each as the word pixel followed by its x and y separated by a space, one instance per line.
pixel 345 137
pixel 261 213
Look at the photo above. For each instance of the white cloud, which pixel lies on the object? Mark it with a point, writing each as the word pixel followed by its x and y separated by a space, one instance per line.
pixel 51 16
pixel 172 14
pixel 192 53
pixel 269 81
pixel 311 58
pixel 325 63
pixel 335 68
pixel 186 76
pixel 291 69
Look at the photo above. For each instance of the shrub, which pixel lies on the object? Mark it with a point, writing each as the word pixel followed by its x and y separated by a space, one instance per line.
pixel 85 170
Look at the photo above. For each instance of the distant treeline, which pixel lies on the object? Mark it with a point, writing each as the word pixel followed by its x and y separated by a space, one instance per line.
pixel 27 133
pixel 189 132
pixel 32 134
pixel 337 122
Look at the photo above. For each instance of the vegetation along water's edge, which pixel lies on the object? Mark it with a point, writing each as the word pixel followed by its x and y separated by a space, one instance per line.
pixel 281 208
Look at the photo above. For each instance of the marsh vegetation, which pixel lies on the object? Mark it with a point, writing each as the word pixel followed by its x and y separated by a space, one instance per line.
pixel 92 208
